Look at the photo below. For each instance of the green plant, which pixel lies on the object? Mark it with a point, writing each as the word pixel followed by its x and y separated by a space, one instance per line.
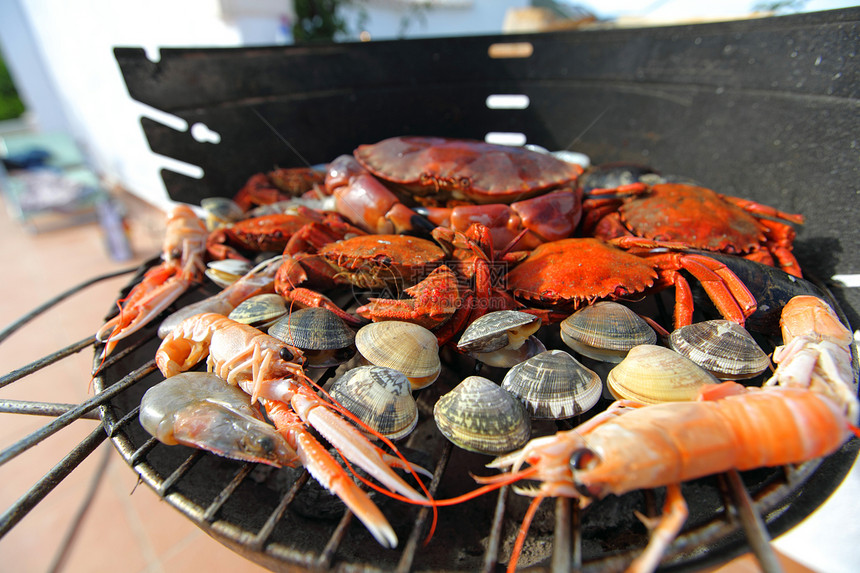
pixel 10 104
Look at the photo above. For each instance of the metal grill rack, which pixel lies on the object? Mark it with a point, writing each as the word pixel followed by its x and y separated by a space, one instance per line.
pixel 276 517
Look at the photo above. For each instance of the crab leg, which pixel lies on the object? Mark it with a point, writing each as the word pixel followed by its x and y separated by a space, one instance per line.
pixel 325 469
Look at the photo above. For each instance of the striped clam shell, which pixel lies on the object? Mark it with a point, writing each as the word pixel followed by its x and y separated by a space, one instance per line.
pixel 403 346
pixel 260 311
pixel 654 374
pixel 554 385
pixel 496 330
pixel 323 336
pixel 507 356
pixel 380 397
pixel 479 416
pixel 722 347
pixel 605 331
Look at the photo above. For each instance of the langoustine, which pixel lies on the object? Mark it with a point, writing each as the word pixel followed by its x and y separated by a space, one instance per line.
pixel 816 353
pixel 182 265
pixel 630 447
pixel 271 372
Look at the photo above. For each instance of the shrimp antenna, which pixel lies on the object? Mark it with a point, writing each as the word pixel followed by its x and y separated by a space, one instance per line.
pixel 280 136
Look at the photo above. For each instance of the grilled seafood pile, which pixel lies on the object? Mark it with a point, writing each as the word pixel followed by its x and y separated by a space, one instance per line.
pixel 508 262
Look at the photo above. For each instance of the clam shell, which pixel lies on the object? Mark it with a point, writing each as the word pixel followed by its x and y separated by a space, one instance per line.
pixel 323 336
pixel 407 347
pixel 554 385
pixel 496 330
pixel 260 310
pixel 606 331
pixel 721 347
pixel 654 374
pixel 220 211
pixel 226 272
pixel 479 416
pixel 380 397
pixel 507 356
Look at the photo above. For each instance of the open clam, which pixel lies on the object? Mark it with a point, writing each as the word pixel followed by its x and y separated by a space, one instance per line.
pixel 653 374
pixel 497 330
pixel 508 356
pixel 403 346
pixel 324 337
pixel 554 385
pixel 380 397
pixel 480 416
pixel 225 272
pixel 260 311
pixel 722 347
pixel 605 331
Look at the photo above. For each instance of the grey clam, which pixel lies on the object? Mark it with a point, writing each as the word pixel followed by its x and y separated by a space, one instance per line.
pixel 497 330
pixel 479 416
pixel 508 356
pixel 721 347
pixel 380 397
pixel 323 336
pixel 259 311
pixel 554 385
pixel 606 331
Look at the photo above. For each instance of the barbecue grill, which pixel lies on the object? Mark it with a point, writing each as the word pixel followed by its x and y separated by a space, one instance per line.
pixel 763 109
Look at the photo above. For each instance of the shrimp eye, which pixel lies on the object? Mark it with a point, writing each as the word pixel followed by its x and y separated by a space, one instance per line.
pixel 582 458
pixel 285 354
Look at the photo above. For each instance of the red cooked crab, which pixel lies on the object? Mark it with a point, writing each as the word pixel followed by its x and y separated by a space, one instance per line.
pixel 473 171
pixel 699 218
pixel 564 275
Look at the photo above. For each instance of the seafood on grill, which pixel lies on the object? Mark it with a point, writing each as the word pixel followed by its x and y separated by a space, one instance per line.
pixel 630 447
pixel 201 410
pixel 271 371
pixel 479 416
pixel 474 171
pixel 554 385
pixel 277 185
pixel 605 331
pixel 403 346
pixel 816 353
pixel 380 397
pixel 259 280
pixel 528 223
pixel 699 218
pixel 652 374
pixel 723 348
pixel 323 337
pixel 566 274
pixel 181 266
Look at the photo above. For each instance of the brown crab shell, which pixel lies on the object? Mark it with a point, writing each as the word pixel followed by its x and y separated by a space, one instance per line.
pixel 653 374
pixel 403 346
pixel 479 416
pixel 554 385
pixel 605 331
pixel 475 170
pixel 380 397
pixel 496 330
pixel 324 337
pixel 259 311
pixel 722 347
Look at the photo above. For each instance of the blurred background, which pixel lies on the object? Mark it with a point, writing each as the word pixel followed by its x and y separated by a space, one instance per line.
pixel 82 195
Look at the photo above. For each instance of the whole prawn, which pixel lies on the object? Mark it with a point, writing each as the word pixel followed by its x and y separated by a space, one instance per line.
pixel 271 372
pixel 181 266
pixel 816 353
pixel 630 447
